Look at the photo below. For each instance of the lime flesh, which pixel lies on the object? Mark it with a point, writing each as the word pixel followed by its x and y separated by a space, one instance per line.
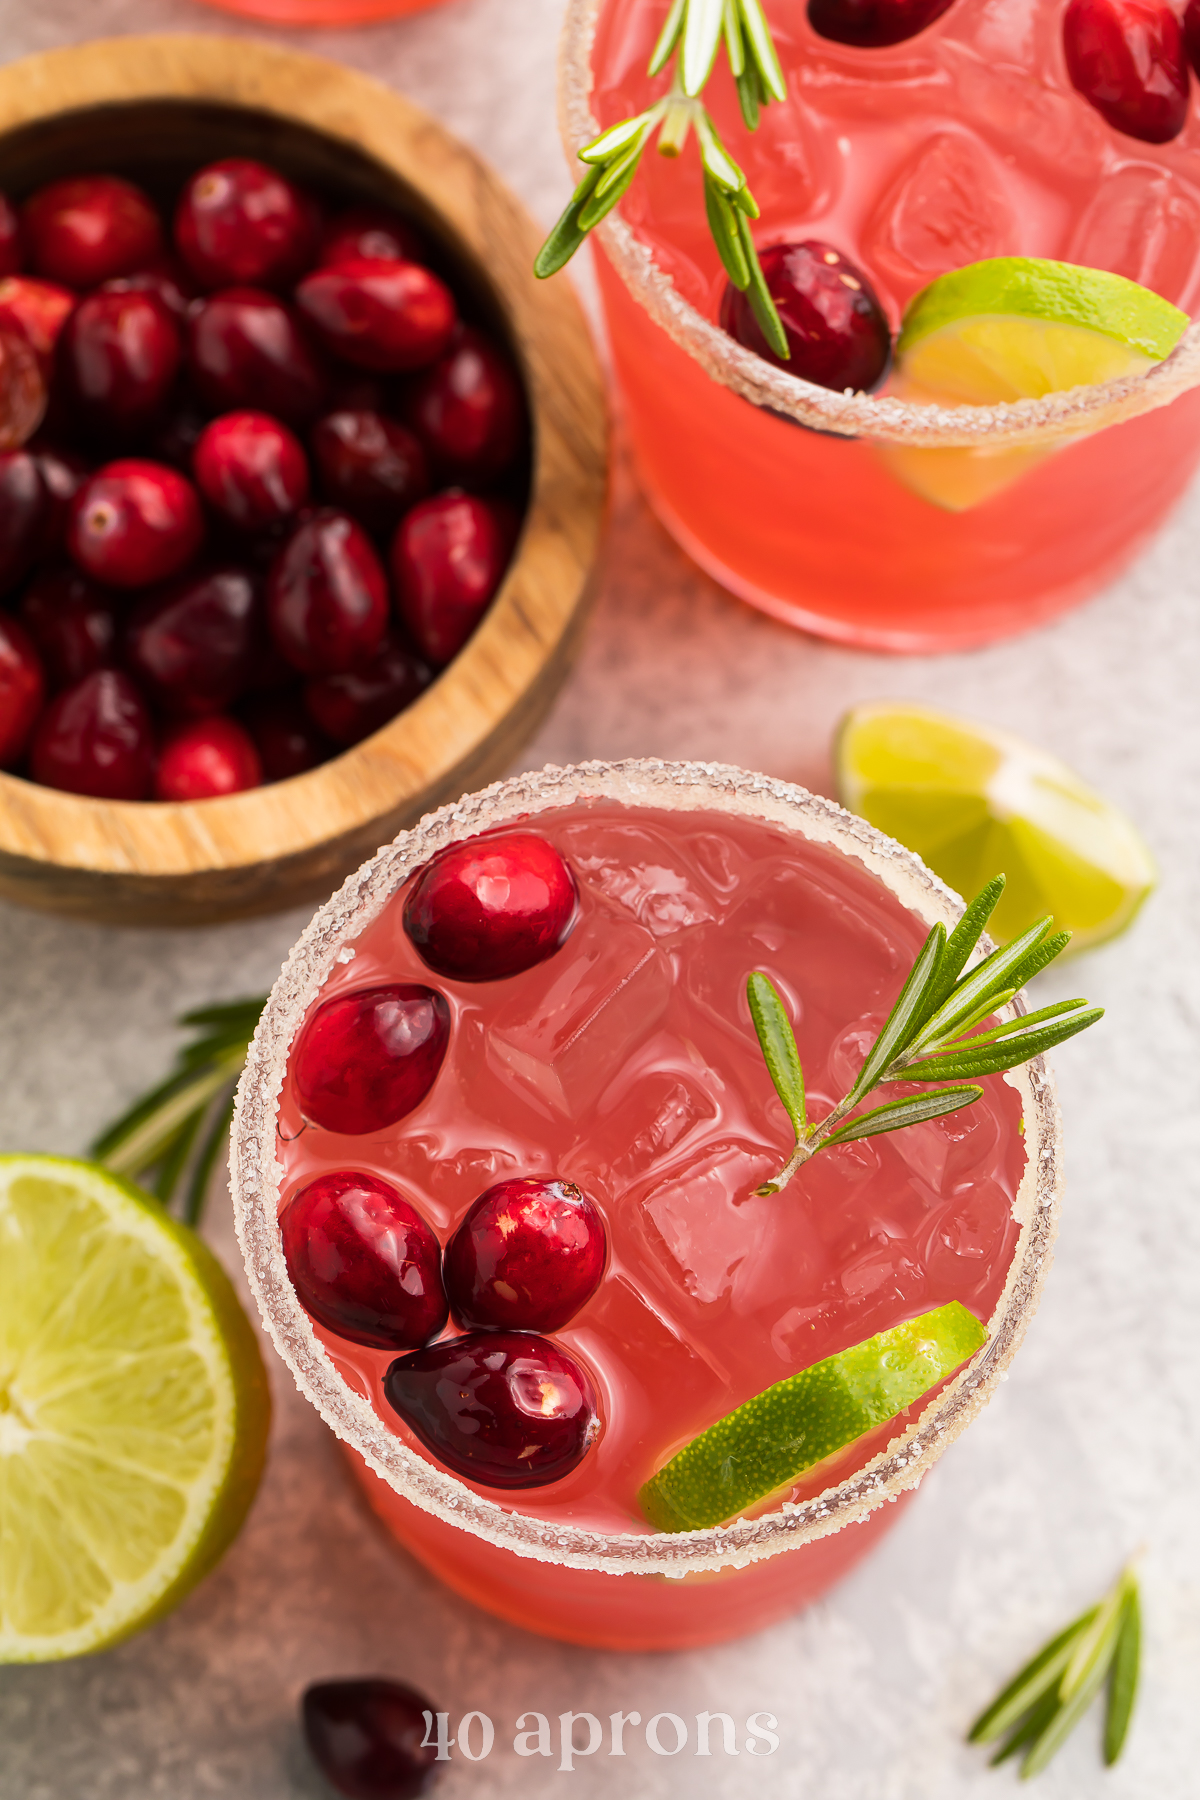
pixel 975 802
pixel 774 1438
pixel 133 1409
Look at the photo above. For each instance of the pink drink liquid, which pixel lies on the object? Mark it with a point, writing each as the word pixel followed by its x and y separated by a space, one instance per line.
pixel 967 141
pixel 627 1064
pixel 323 12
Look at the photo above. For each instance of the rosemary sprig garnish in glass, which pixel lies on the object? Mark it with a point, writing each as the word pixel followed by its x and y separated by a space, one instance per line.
pixel 691 37
pixel 929 1034
pixel 171 1137
pixel 1046 1699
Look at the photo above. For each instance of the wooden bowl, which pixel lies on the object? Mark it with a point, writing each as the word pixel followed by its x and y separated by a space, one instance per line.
pixel 155 108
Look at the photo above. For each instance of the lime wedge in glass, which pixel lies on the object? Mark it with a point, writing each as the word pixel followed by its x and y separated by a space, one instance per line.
pixel 975 802
pixel 1016 328
pixel 133 1409
pixel 774 1438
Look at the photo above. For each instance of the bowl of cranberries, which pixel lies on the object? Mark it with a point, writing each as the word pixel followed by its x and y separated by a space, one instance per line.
pixel 301 475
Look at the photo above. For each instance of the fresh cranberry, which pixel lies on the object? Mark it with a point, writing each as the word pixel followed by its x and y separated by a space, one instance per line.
pixel 118 357
pixel 134 523
pixel 287 741
pixel 175 442
pixel 72 623
pixel 468 410
pixel 448 557
pixel 38 310
pixel 379 314
pixel 240 223
pixel 96 739
pixel 327 599
pixel 192 645
pixel 22 689
pixel 835 327
pixel 364 1262
pixel 63 474
pixel 1191 33
pixel 506 1409
pixel 251 469
pixel 491 907
pixel 23 509
pixel 87 229
pixel 363 699
pixel 374 232
pixel 206 759
pixel 22 391
pixel 12 248
pixel 526 1257
pixel 371 466
pixel 1127 58
pixel 872 24
pixel 247 349
pixel 366 1059
pixel 368 1738
pixel 166 280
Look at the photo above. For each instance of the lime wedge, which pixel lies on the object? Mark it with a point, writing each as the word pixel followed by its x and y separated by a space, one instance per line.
pixel 975 802
pixel 768 1442
pixel 1015 328
pixel 133 1409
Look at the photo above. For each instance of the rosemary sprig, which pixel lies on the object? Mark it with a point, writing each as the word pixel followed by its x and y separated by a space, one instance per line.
pixel 929 1034
pixel 692 35
pixel 1046 1699
pixel 170 1138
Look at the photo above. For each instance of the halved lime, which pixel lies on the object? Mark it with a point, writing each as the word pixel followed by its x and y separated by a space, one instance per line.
pixel 974 802
pixel 772 1439
pixel 133 1409
pixel 1015 328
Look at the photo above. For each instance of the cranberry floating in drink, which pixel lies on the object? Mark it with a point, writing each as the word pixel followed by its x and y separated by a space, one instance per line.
pixel 873 24
pixel 364 1262
pixel 242 224
pixel 506 1409
pixel 327 599
pixel 134 523
pixel 246 349
pixel 369 1738
pixel 379 314
pixel 251 469
pixel 96 738
pixel 526 1257
pixel 88 228
pixel 836 330
pixel 73 623
pixel 22 689
pixel 205 760
pixel 1128 58
pixel 448 558
pixel 492 907
pixel 366 1059
pixel 118 358
pixel 468 410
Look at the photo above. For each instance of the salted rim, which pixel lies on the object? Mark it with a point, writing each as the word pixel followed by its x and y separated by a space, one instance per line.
pixel 887 420
pixel 255 1173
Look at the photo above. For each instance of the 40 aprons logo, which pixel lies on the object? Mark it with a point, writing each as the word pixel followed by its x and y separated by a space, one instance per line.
pixel 665 1734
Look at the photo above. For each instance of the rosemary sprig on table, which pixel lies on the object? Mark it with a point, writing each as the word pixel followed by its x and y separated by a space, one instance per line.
pixel 171 1137
pixel 1044 1702
pixel 692 36
pixel 929 1034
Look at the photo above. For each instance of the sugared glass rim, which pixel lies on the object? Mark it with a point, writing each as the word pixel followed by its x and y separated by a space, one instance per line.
pixel 255 1173
pixel 1056 416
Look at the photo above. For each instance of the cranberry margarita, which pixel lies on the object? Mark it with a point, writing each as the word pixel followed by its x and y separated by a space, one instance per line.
pixel 555 1137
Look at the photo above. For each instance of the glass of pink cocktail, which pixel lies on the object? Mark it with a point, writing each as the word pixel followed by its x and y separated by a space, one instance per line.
pixel 626 1064
pixel 965 141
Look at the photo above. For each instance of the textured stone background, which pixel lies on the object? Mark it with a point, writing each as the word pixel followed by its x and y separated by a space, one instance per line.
pixel 1091 1449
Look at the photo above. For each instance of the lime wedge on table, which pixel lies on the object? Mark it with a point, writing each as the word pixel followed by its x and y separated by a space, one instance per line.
pixel 975 802
pixel 773 1438
pixel 133 1409
pixel 1016 328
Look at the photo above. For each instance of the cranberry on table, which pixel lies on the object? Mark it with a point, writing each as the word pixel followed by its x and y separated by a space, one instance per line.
pixel 246 349
pixel 87 229
pixel 366 1059
pixel 23 510
pixel 252 469
pixel 22 689
pixel 351 706
pixel 118 357
pixel 363 1261
pixel 72 623
pixel 526 1257
pixel 205 760
pixel 379 314
pixel 468 409
pixel 371 231
pixel 491 907
pixel 1127 58
pixel 327 598
pixel 836 329
pixel 367 1737
pixel 506 1409
pixel 134 523
pixel 448 557
pixel 12 248
pixel 873 24
pixel 287 740
pixel 96 739
pixel 193 644
pixel 22 391
pixel 240 223
pixel 369 465
pixel 38 310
